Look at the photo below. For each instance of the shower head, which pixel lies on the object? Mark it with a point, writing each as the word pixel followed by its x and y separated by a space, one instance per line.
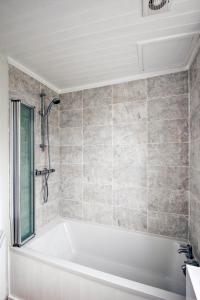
pixel 55 101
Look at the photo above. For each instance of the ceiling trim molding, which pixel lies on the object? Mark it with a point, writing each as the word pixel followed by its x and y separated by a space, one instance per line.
pixel 123 79
pixel 32 74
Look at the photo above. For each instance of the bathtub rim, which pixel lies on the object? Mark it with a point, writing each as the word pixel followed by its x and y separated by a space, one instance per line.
pixel 114 281
pixel 59 220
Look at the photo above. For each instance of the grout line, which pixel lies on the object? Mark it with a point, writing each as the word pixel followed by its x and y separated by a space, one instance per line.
pixel 147 157
pixel 112 182
pixel 125 164
pixel 149 99
pixel 125 124
pixel 166 97
pixel 189 150
pixel 168 213
pixel 82 189
pixel 121 145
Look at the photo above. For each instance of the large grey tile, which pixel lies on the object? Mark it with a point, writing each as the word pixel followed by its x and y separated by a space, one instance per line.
pixel 129 176
pixel 55 177
pixel 135 133
pixel 166 85
pixel 194 232
pixel 71 136
pixel 71 154
pixel 169 201
pixel 130 154
pixel 97 97
pixel 97 116
pixel 55 156
pixel 50 212
pixel 164 131
pixel 195 182
pixel 173 154
pixel 54 118
pixel 168 224
pixel 97 174
pixel 71 173
pixel 195 154
pixel 129 91
pixel 194 99
pixel 170 108
pixel 24 84
pixel 100 154
pixel 175 178
pixel 71 100
pixel 54 136
pixel 97 193
pixel 195 126
pixel 40 156
pixel 71 189
pixel 71 209
pixel 130 197
pixel 54 192
pixel 97 135
pixel 14 78
pixel 98 213
pixel 195 71
pixel 130 219
pixel 128 112
pixel 70 118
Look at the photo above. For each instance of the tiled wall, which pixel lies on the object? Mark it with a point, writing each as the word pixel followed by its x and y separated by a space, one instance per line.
pixel 124 155
pixel 24 87
pixel 120 153
pixel 195 154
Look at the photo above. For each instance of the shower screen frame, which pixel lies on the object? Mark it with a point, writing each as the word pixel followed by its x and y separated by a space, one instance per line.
pixel 15 172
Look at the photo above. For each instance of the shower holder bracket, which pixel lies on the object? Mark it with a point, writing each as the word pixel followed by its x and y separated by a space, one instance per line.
pixel 43 146
pixel 44 172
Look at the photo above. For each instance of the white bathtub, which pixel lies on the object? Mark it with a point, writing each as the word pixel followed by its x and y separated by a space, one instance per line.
pixel 79 261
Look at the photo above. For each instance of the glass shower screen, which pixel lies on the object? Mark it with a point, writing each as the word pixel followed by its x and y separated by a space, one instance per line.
pixel 22 173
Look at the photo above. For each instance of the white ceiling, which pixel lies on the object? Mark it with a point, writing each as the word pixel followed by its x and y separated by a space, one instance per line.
pixel 74 44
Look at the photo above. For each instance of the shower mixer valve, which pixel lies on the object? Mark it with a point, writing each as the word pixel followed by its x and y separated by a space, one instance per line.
pixel 44 171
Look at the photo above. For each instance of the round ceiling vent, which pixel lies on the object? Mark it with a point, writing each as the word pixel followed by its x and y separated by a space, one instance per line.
pixel 157 4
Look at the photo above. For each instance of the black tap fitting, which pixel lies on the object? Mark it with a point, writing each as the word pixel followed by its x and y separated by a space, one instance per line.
pixel 187 249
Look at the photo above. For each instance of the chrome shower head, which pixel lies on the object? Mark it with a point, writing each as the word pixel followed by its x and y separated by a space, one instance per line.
pixel 55 101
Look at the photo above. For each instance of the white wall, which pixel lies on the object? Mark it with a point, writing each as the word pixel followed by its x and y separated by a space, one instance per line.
pixel 4 165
